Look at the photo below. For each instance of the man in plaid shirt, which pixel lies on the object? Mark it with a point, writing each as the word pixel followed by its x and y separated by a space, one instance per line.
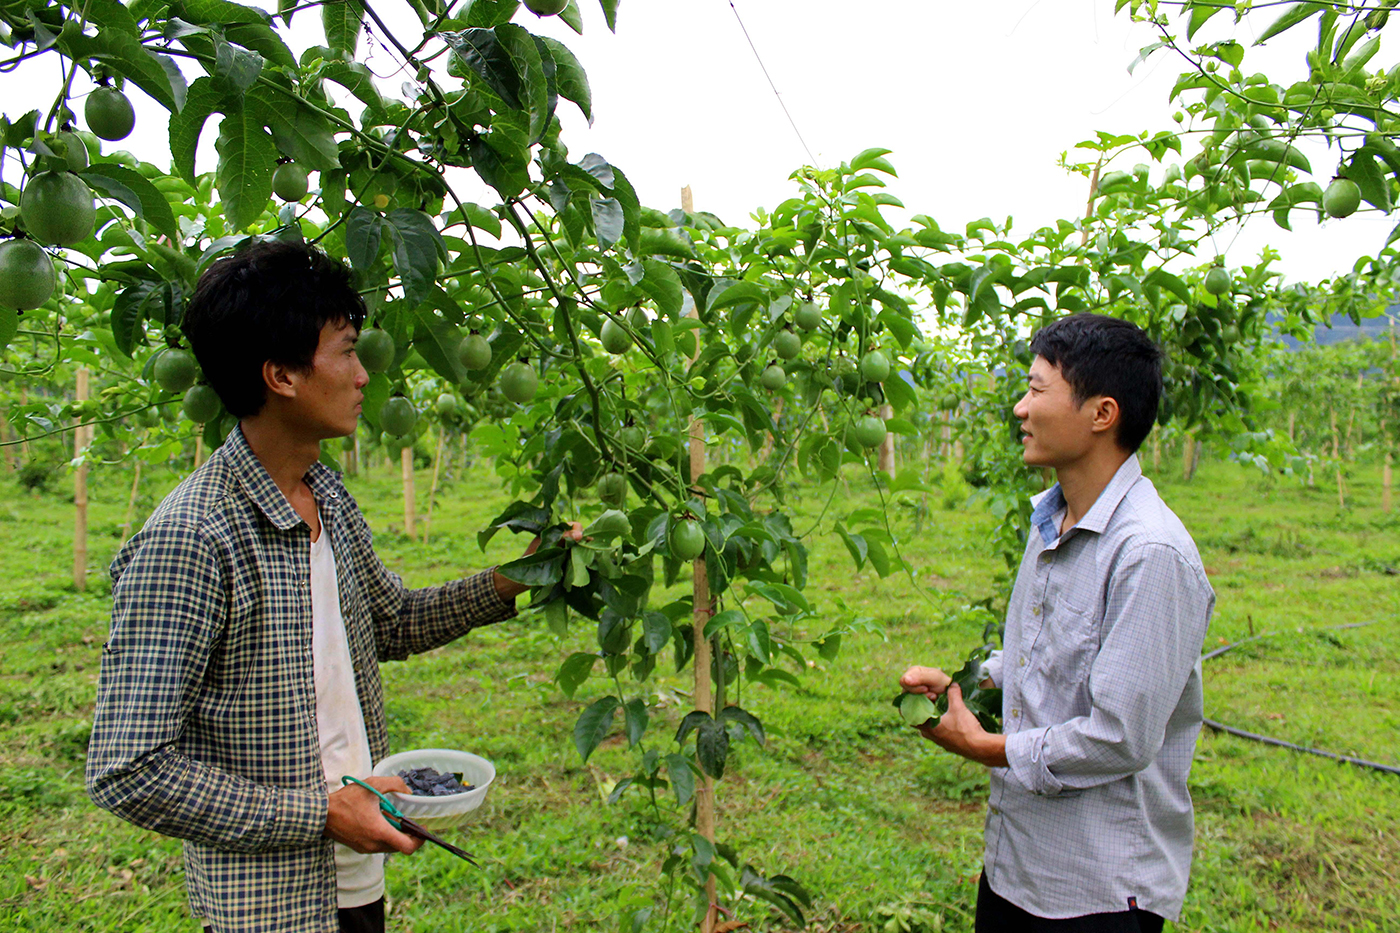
pixel 241 677
pixel 1089 823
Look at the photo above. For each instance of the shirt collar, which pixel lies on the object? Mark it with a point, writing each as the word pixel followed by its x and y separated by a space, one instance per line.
pixel 1046 505
pixel 260 487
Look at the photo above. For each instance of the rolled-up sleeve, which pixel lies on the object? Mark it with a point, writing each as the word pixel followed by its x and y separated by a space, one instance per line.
pixel 411 621
pixel 991 668
pixel 1155 617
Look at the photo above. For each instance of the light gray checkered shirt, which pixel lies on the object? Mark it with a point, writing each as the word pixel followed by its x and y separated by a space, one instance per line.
pixel 1102 704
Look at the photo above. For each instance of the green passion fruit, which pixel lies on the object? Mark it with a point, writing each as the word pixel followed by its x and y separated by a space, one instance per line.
pixel 546 7
pixel 615 337
pixel 474 352
pixel 519 382
pixel 201 404
pixel 687 540
pixel 1342 198
pixel 874 366
pixel 57 208
pixel 109 114
pixel 75 154
pixel 787 345
pixel 397 416
pixel 773 378
pixel 289 182
pixel 612 489
pixel 808 316
pixel 26 275
pixel 869 431
pixel 1217 280
pixel 446 405
pixel 633 437
pixel 375 348
pixel 176 370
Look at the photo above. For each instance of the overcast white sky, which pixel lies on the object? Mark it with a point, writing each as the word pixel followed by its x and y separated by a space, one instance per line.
pixel 977 101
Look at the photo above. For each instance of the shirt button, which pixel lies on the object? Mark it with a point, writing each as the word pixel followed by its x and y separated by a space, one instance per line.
pixel 1021 663
pixel 995 811
pixel 1015 714
pixel 1035 610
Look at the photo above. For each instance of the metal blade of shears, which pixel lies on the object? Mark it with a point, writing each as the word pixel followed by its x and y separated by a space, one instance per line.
pixel 413 829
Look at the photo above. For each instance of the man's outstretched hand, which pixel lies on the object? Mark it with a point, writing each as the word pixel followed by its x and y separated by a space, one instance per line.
pixel 959 732
pixel 929 681
pixel 354 819
pixel 509 589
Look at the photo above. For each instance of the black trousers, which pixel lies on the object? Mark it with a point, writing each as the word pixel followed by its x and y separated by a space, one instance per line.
pixel 995 914
pixel 366 919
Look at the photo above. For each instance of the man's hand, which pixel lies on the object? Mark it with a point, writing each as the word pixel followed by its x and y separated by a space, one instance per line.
pixel 959 732
pixel 925 680
pixel 509 589
pixel 354 819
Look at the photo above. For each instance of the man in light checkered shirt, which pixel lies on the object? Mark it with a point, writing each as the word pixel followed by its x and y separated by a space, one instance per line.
pixel 1089 822
pixel 240 680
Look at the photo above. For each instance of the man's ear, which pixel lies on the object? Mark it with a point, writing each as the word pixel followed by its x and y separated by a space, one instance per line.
pixel 278 379
pixel 1106 414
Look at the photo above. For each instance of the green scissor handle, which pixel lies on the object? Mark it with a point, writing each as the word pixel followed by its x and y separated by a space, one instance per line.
pixel 391 812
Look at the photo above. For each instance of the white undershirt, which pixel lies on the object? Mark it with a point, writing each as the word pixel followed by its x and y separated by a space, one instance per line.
pixel 339 720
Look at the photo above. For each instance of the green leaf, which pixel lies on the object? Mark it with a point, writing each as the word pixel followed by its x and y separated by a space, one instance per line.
pixel 607 220
pixel 483 52
pixel 247 159
pixel 760 642
pixel 126 56
pixel 1366 170
pixel 682 775
pixel 723 620
pixel 664 287
pixel 417 248
pixel 570 77
pixel 363 237
pixel 631 209
pixel 636 720
pixel 712 747
pixel 436 340
pixel 610 13
pixel 1202 10
pixel 262 39
pixel 298 130
pixel 109 14
pixel 594 724
pixel 545 567
pixel 133 190
pixel 343 20
pixel 217 12
pixel 873 158
pixel 574 671
pixel 131 307
pixel 747 720
pixel 355 78
pixel 855 544
pixel 1290 18
pixel 898 393
pixel 656 631
pixel 236 67
pixel 203 99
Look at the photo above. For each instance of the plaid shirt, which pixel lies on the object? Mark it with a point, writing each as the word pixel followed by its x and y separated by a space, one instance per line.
pixel 1102 702
pixel 205 724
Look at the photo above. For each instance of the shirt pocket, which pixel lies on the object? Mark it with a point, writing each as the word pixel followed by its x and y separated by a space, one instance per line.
pixel 1070 642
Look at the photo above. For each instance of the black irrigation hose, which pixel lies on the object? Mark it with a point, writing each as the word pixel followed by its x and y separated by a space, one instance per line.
pixel 1269 740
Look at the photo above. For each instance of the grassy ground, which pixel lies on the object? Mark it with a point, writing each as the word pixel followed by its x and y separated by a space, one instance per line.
pixel 880 826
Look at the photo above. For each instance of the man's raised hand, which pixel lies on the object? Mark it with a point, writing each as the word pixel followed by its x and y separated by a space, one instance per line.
pixel 925 680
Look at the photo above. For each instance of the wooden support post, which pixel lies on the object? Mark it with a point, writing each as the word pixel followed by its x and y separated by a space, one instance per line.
pixel 703 610
pixel 406 464
pixel 1156 451
pixel 1188 456
pixel 5 445
pixel 886 463
pixel 1386 505
pixel 80 492
pixel 199 448
pixel 432 490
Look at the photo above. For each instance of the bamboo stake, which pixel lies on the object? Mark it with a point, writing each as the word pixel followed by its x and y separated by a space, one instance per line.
pixel 1156 452
pixel 406 465
pixel 24 444
pixel 199 448
pixel 432 490
pixel 1386 505
pixel 5 445
pixel 703 610
pixel 1188 457
pixel 886 461
pixel 80 492
pixel 131 505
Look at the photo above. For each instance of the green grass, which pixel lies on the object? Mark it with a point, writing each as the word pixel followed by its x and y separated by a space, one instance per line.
pixel 883 828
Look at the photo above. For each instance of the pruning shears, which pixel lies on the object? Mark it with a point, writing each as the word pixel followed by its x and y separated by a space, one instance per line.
pixel 403 824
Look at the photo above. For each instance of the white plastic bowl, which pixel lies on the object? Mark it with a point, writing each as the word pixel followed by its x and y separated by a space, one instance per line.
pixel 438 813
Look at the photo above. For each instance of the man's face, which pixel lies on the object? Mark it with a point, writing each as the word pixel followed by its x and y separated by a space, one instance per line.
pixel 329 395
pixel 1054 430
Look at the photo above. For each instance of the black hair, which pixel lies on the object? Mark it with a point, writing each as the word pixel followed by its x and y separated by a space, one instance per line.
pixel 1107 356
pixel 268 301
